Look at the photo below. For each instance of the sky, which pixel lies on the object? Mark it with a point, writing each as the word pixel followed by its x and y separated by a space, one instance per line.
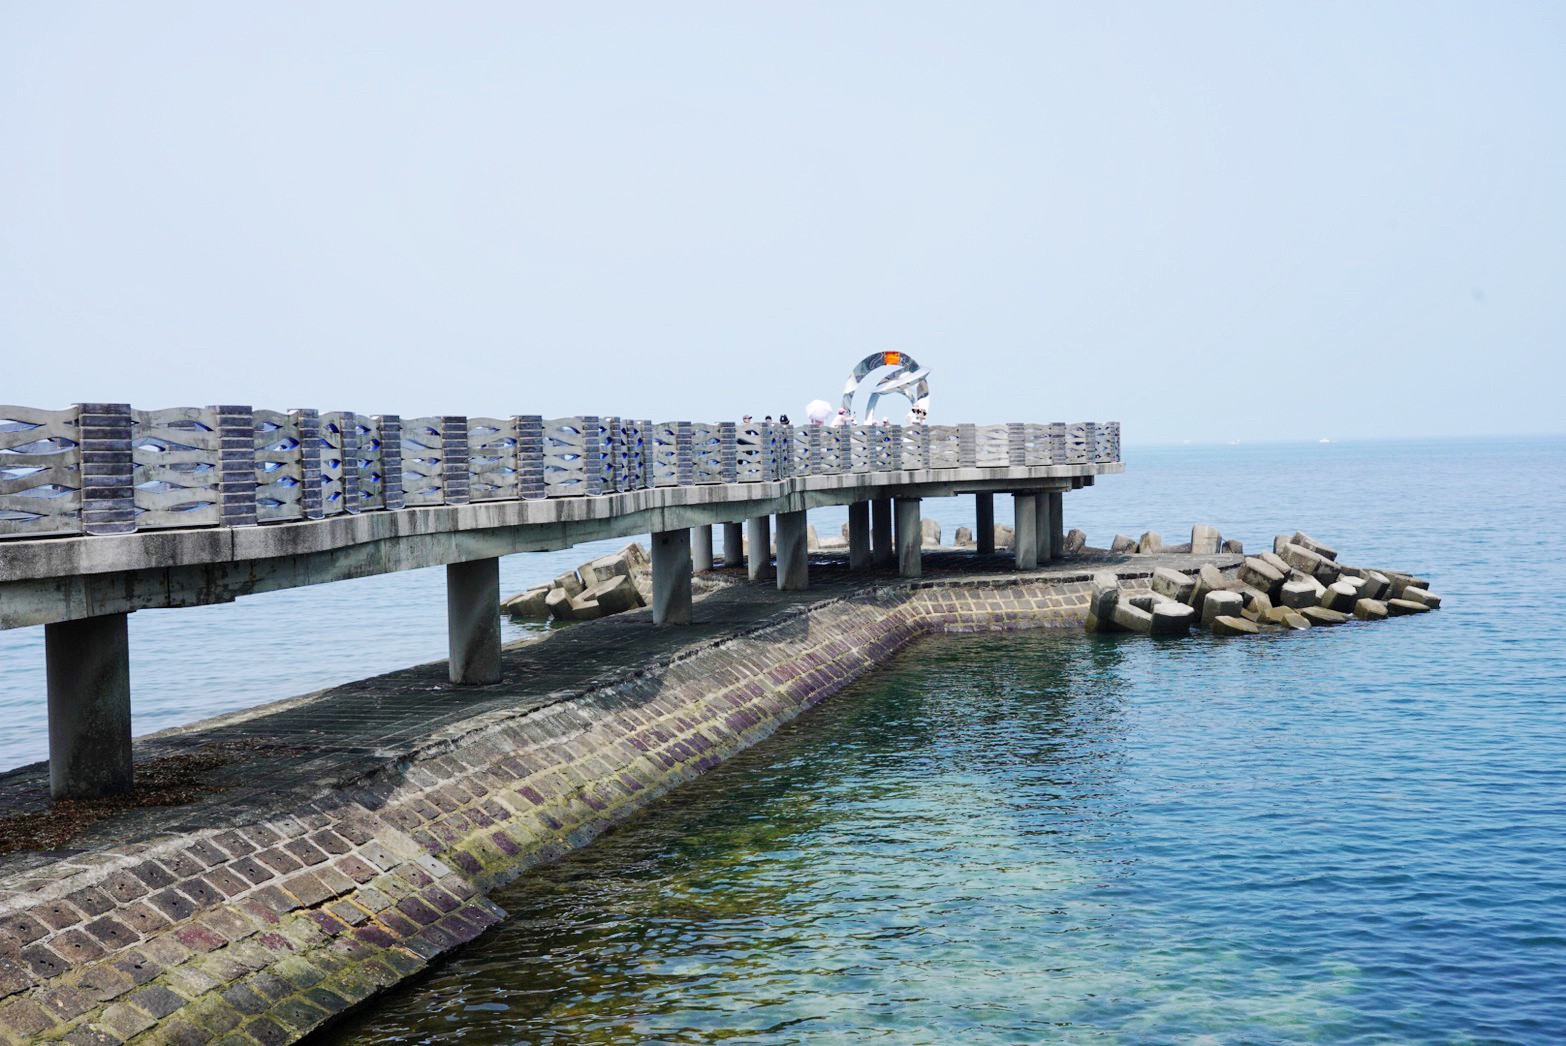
pixel 1207 221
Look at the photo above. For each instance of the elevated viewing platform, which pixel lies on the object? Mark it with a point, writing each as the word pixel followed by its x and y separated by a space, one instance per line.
pixel 106 509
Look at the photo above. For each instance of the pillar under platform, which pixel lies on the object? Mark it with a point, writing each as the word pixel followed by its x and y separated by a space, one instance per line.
pixel 910 536
pixel 671 577
pixel 883 553
pixel 859 557
pixel 758 533
pixel 1024 538
pixel 793 552
pixel 984 523
pixel 89 707
pixel 473 622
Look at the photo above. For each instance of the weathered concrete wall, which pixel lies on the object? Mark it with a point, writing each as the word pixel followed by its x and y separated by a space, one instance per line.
pixel 262 931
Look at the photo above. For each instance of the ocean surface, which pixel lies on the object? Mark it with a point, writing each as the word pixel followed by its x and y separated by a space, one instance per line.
pixel 1346 835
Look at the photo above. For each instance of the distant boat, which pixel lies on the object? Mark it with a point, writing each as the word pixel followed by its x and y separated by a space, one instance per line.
pixel 1323 440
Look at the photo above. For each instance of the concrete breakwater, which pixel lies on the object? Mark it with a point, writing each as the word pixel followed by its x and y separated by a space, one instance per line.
pixel 335 845
pixel 1299 585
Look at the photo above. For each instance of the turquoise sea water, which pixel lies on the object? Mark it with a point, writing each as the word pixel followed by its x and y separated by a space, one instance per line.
pixel 1348 835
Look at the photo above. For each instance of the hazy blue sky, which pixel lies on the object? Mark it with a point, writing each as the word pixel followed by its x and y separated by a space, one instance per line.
pixel 1205 220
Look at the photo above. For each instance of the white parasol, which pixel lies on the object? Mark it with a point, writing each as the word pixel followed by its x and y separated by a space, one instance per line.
pixel 818 411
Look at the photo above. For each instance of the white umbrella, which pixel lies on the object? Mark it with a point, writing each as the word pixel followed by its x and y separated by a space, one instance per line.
pixel 818 411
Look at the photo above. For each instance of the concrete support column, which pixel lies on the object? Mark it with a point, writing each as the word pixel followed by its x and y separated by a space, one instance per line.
pixel 1057 524
pixel 733 544
pixel 1024 539
pixel 1042 531
pixel 473 622
pixel 909 538
pixel 793 552
pixel 671 577
pixel 701 548
pixel 758 533
pixel 859 536
pixel 882 553
pixel 89 707
pixel 984 523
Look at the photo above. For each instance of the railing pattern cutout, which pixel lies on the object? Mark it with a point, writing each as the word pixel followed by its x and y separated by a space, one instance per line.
pixel 565 468
pixel 174 453
pixel 492 459
pixel 944 447
pixel 666 454
pixel 368 461
pixel 280 477
pixel 423 462
pixel 916 444
pixel 991 446
pixel 882 455
pixel 750 454
pixel 40 471
pixel 106 468
pixel 1078 444
pixel 706 454
pixel 339 465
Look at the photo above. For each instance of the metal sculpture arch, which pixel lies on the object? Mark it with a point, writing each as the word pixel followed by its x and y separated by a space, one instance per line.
pixel 909 380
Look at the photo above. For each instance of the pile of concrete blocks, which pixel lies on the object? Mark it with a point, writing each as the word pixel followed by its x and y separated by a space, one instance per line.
pixel 1299 585
pixel 964 536
pixel 597 588
pixel 1205 541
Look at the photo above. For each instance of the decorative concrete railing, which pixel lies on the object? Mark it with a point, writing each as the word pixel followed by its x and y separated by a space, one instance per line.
pixel 105 468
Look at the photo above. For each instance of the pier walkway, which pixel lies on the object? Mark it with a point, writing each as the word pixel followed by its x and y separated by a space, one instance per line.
pixel 105 510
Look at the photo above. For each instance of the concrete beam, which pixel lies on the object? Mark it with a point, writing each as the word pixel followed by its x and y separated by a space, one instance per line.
pixel 89 707
pixel 473 622
pixel 733 544
pixel 984 523
pixel 910 537
pixel 859 536
pixel 793 553
pixel 701 548
pixel 671 577
pixel 758 534
pixel 882 554
pixel 1024 538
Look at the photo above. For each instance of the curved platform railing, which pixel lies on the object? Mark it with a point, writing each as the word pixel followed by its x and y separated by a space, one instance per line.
pixel 107 468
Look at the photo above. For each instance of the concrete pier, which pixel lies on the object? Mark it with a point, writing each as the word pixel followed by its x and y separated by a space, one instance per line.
pixel 701 548
pixel 272 517
pixel 733 544
pixel 473 621
pixel 671 577
pixel 1024 539
pixel 859 557
pixel 793 553
pixel 89 707
pixel 758 533
pixel 883 554
pixel 984 523
pixel 910 538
